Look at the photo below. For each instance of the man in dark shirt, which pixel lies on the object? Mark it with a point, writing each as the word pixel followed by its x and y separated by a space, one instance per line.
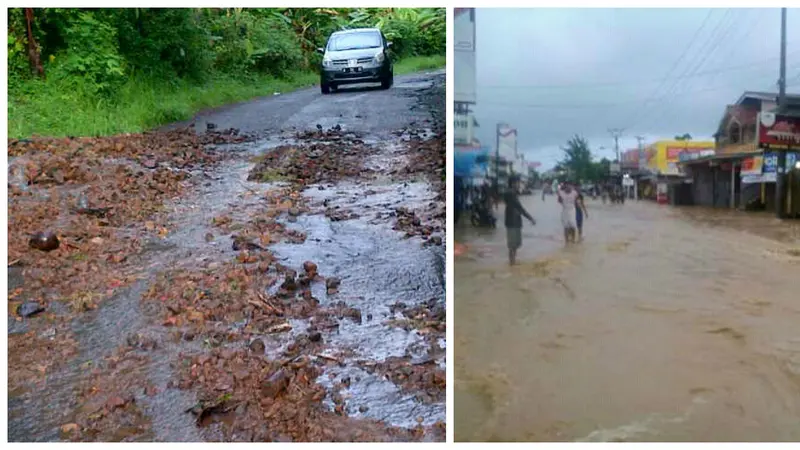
pixel 514 213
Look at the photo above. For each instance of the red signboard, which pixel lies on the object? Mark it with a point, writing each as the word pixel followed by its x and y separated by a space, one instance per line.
pixel 778 132
pixel 630 158
pixel 748 165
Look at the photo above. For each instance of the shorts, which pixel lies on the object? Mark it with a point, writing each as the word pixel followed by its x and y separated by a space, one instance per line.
pixel 514 238
pixel 579 218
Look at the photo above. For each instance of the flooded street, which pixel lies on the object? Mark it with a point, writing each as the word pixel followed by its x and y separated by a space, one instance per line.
pixel 665 324
pixel 292 290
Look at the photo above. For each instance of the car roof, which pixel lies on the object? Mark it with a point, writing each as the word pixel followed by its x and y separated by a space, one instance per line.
pixel 355 30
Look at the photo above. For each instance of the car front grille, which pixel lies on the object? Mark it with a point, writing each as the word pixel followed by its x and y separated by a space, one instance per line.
pixel 343 62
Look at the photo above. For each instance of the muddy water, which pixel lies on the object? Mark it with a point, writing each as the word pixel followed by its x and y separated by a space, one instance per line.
pixel 377 267
pixel 665 324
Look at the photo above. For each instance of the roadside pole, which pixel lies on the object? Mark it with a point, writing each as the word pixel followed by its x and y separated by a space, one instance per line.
pixel 780 170
pixel 733 184
pixel 497 161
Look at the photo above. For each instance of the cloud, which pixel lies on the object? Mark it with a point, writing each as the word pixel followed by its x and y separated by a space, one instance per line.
pixel 554 73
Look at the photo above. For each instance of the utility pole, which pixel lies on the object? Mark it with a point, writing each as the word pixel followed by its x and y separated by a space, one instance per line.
pixel 780 171
pixel 497 161
pixel 639 160
pixel 640 140
pixel 616 133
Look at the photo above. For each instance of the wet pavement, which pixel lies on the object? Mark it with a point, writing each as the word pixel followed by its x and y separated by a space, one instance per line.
pixel 123 372
pixel 665 324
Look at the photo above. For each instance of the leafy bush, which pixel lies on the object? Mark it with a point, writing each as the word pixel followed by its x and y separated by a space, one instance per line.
pixel 93 53
pixel 112 70
pixel 243 42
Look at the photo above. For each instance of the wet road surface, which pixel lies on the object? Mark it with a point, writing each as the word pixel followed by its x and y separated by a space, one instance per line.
pixel 665 324
pixel 376 265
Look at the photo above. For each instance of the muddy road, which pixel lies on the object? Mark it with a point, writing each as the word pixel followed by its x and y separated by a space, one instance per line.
pixel 272 272
pixel 665 324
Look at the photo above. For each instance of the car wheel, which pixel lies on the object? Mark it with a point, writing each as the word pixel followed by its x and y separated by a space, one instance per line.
pixel 325 88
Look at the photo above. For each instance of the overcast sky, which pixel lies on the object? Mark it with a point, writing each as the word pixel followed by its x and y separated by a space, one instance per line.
pixel 552 73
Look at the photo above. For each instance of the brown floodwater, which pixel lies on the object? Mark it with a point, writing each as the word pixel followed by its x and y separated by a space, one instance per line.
pixel 664 324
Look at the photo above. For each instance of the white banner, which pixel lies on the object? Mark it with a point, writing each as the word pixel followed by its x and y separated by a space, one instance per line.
pixel 462 129
pixel 464 55
pixel 507 142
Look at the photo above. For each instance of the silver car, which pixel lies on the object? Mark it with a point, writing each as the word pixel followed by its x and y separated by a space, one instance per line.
pixel 356 56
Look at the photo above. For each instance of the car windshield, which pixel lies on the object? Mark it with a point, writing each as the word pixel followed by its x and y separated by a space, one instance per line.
pixel 353 41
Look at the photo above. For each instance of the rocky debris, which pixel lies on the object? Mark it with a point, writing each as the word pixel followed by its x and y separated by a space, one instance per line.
pixel 409 222
pixel 29 309
pixel 44 241
pixel 34 355
pixel 332 285
pixel 142 341
pixel 70 429
pixel 337 214
pixel 425 379
pixel 257 346
pixel 427 318
pixel 310 268
pixel 275 400
pixel 91 250
pixel 331 155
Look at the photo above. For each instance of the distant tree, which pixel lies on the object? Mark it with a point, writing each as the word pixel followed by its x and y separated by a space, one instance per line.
pixel 683 137
pixel 577 159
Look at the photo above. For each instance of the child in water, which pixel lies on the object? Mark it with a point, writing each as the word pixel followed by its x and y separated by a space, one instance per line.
pixel 580 214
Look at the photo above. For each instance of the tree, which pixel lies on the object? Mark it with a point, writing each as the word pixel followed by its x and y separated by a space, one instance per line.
pixel 683 137
pixel 33 48
pixel 577 159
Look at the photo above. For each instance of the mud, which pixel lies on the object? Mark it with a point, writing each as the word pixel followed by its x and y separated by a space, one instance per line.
pixel 189 309
pixel 665 324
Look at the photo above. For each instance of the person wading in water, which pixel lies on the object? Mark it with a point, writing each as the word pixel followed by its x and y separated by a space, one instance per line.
pixel 567 197
pixel 580 214
pixel 514 213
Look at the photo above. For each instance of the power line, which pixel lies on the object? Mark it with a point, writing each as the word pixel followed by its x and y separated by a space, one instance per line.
pixel 754 24
pixel 611 104
pixel 749 66
pixel 680 58
pixel 711 42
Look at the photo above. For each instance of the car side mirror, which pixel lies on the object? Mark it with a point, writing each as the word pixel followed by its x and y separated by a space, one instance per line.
pixel 389 44
pixel 320 50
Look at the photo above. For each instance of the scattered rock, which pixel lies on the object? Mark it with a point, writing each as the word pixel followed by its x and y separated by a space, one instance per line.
pixel 115 402
pixel 29 309
pixel 310 268
pixel 44 241
pixel 275 384
pixel 70 428
pixel 257 346
pixel 332 284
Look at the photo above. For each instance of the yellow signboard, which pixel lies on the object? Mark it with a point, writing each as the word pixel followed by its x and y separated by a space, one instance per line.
pixel 667 154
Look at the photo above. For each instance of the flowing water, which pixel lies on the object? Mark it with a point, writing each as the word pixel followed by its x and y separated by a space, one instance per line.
pixel 376 265
pixel 665 324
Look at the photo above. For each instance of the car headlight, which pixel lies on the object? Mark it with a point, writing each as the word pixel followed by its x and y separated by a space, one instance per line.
pixel 327 62
pixel 379 57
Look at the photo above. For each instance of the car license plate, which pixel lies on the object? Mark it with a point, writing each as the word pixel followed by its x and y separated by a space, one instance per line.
pixel 352 63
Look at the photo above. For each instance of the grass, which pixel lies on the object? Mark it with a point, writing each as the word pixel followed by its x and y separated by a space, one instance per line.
pixel 60 107
pixel 419 64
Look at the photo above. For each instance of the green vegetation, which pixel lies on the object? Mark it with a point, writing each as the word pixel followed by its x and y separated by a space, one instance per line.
pixel 107 71
pixel 579 164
